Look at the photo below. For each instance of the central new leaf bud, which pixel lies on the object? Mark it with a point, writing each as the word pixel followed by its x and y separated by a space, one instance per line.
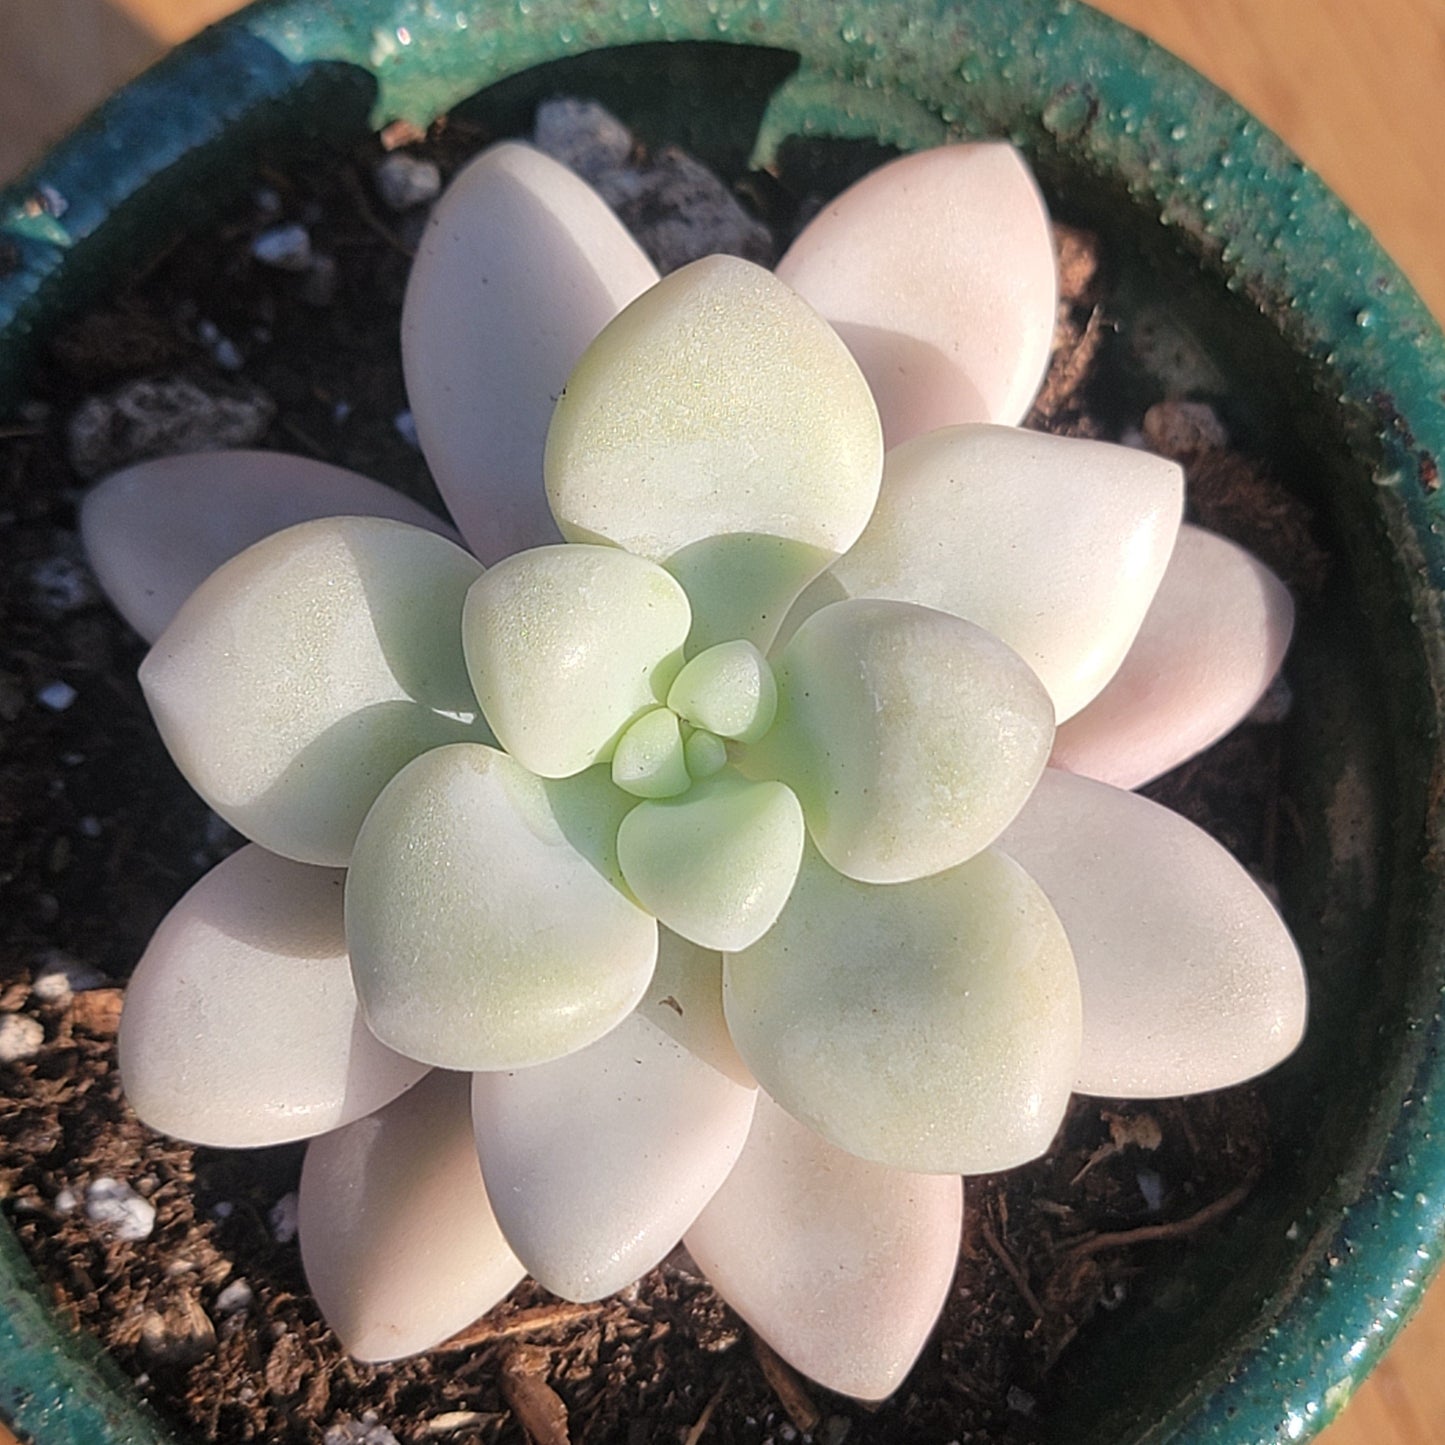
pixel 726 692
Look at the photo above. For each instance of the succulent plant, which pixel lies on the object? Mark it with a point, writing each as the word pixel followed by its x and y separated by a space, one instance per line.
pixel 709 827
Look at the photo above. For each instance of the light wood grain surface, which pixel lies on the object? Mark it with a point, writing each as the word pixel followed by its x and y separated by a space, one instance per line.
pixel 1357 87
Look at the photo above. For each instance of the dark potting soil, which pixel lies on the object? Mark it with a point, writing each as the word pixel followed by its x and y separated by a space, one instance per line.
pixel 99 837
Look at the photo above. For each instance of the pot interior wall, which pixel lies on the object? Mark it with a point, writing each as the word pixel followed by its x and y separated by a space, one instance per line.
pixel 1361 737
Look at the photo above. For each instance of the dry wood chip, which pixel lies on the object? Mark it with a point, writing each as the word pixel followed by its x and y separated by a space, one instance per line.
pixel 787 1386
pixel 537 1406
pixel 97 1010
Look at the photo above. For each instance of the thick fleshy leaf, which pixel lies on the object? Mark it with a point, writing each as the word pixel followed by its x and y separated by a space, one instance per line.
pixel 298 679
pixel 1190 978
pixel 521 265
pixel 729 690
pixel 1210 645
pixel 938 271
pixel 716 864
pixel 155 531
pixel 719 426
pixel 398 1238
pixel 241 1025
pixel 597 1163
pixel 483 932
pixel 911 737
pixel 930 1026
pixel 685 998
pixel 840 1265
pixel 567 645
pixel 1054 544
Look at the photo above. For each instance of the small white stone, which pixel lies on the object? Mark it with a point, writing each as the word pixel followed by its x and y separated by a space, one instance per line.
pixel 59 976
pixel 403 181
pixel 405 424
pixel 236 1297
pixel 114 1204
pixel 365 1431
pixel 287 248
pixel 67 1201
pixel 282 1218
pixel 21 1037
pixel 583 135
pixel 56 696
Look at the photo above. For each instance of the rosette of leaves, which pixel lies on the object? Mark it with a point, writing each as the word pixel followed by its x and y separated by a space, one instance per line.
pixel 702 845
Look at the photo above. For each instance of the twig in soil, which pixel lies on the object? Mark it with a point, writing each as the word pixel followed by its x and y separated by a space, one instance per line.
pixel 1171 1229
pixel 696 1432
pixel 1011 1268
pixel 488 1331
pixel 804 1414
pixel 369 217
pixel 537 1406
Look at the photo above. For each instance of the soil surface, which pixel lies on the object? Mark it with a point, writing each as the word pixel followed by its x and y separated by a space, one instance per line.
pixel 98 837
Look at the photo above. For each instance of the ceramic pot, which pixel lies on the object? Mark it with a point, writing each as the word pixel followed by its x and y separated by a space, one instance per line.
pixel 1271 1321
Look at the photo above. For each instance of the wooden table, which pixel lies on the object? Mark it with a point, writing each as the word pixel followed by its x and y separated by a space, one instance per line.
pixel 1357 87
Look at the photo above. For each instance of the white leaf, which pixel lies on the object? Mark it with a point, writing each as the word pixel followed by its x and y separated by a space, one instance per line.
pixel 155 531
pixel 241 1025
pixel 930 1026
pixel 1190 978
pixel 521 265
pixel 598 1162
pixel 484 930
pixel 398 1239
pixel 840 1265
pixel 938 271
pixel 298 679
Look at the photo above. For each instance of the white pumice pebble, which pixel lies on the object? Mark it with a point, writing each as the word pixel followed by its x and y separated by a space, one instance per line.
pixel 56 696
pixel 21 1037
pixel 235 1297
pixel 404 181
pixel 282 1217
pixel 113 1204
pixel 287 248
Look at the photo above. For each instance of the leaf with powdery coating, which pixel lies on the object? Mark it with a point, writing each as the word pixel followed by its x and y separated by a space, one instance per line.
pixel 931 1026
pixel 720 427
pixel 520 266
pixel 911 737
pixel 685 998
pixel 155 531
pixel 298 679
pixel 398 1239
pixel 1210 645
pixel 241 1025
pixel 938 271
pixel 716 864
pixel 598 1162
pixel 484 930
pixel 566 646
pixel 1190 978
pixel 1055 544
pixel 840 1265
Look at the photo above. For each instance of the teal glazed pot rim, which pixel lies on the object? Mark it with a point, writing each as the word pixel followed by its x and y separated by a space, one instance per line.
pixel 1100 111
